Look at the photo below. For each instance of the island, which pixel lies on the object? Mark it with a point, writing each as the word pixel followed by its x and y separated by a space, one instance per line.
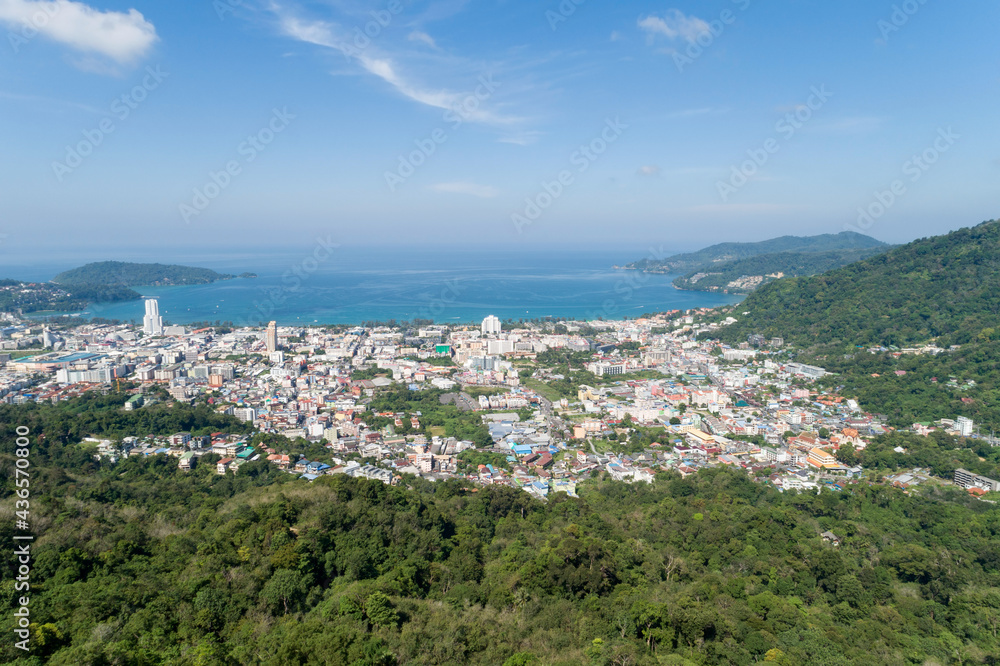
pixel 101 282
pixel 147 275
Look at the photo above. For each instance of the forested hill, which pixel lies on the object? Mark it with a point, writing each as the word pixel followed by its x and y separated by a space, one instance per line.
pixel 141 563
pixel 744 275
pixel 946 286
pixel 131 274
pixel 725 252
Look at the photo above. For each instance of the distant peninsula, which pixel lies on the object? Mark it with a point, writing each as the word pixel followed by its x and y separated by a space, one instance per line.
pixel 739 268
pixel 102 282
pixel 124 274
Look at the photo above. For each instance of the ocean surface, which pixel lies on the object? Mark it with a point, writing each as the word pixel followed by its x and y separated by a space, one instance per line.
pixel 350 286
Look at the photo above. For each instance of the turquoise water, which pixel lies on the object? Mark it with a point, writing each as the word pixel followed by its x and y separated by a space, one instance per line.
pixel 352 287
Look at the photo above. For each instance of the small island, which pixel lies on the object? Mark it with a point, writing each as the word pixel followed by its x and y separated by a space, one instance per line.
pixel 125 274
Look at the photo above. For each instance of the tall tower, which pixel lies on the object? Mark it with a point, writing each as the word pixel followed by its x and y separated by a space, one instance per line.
pixel 152 323
pixel 271 337
pixel 491 325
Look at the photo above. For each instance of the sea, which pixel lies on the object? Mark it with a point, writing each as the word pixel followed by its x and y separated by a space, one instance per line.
pixel 357 285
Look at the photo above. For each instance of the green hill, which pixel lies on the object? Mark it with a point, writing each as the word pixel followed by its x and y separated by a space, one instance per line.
pixel 133 275
pixel 744 275
pixel 29 297
pixel 945 286
pixel 711 257
pixel 142 563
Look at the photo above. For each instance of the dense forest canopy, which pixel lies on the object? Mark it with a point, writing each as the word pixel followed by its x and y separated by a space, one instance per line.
pixel 945 287
pixel 37 297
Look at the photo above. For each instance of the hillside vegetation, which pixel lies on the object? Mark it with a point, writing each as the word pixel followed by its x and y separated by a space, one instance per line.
pixel 144 564
pixel 945 287
pixel 705 259
pixel 719 276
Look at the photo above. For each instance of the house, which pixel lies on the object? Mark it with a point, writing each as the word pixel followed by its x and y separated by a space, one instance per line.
pixel 830 537
pixel 222 466
pixel 187 461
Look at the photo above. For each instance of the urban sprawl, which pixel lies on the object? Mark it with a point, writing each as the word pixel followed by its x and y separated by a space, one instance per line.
pixel 748 406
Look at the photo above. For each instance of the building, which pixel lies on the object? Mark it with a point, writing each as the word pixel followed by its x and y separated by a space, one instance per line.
pixel 602 368
pixel 964 426
pixel 491 325
pixel 968 480
pixel 152 323
pixel 48 339
pixel 271 336
pixel 807 371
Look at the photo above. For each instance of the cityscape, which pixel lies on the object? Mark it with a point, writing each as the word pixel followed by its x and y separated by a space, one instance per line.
pixel 748 406
pixel 450 333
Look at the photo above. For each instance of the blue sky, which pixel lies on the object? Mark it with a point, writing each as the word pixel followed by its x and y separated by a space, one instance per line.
pixel 269 123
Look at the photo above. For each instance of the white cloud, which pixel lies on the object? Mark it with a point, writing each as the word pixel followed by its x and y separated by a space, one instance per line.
pixel 423 37
pixel 649 170
pixel 674 25
pixel 521 138
pixel 121 36
pixel 693 113
pixel 481 191
pixel 329 35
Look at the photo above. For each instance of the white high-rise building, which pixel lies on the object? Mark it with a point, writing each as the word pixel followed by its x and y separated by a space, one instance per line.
pixel 964 426
pixel 271 337
pixel 491 325
pixel 152 323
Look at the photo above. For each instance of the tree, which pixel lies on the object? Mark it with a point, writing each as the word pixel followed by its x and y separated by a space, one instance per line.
pixel 287 588
pixel 380 611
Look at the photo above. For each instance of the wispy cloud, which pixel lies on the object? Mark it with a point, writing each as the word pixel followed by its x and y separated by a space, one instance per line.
pixel 674 25
pixel 472 189
pixel 423 38
pixel 694 113
pixel 751 208
pixel 124 37
pixel 378 63
pixel 51 103
pixel 649 170
pixel 852 125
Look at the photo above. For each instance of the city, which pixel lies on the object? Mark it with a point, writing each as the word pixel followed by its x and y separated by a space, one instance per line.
pixel 698 404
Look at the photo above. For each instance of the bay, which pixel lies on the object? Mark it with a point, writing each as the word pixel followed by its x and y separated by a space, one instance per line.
pixel 351 286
